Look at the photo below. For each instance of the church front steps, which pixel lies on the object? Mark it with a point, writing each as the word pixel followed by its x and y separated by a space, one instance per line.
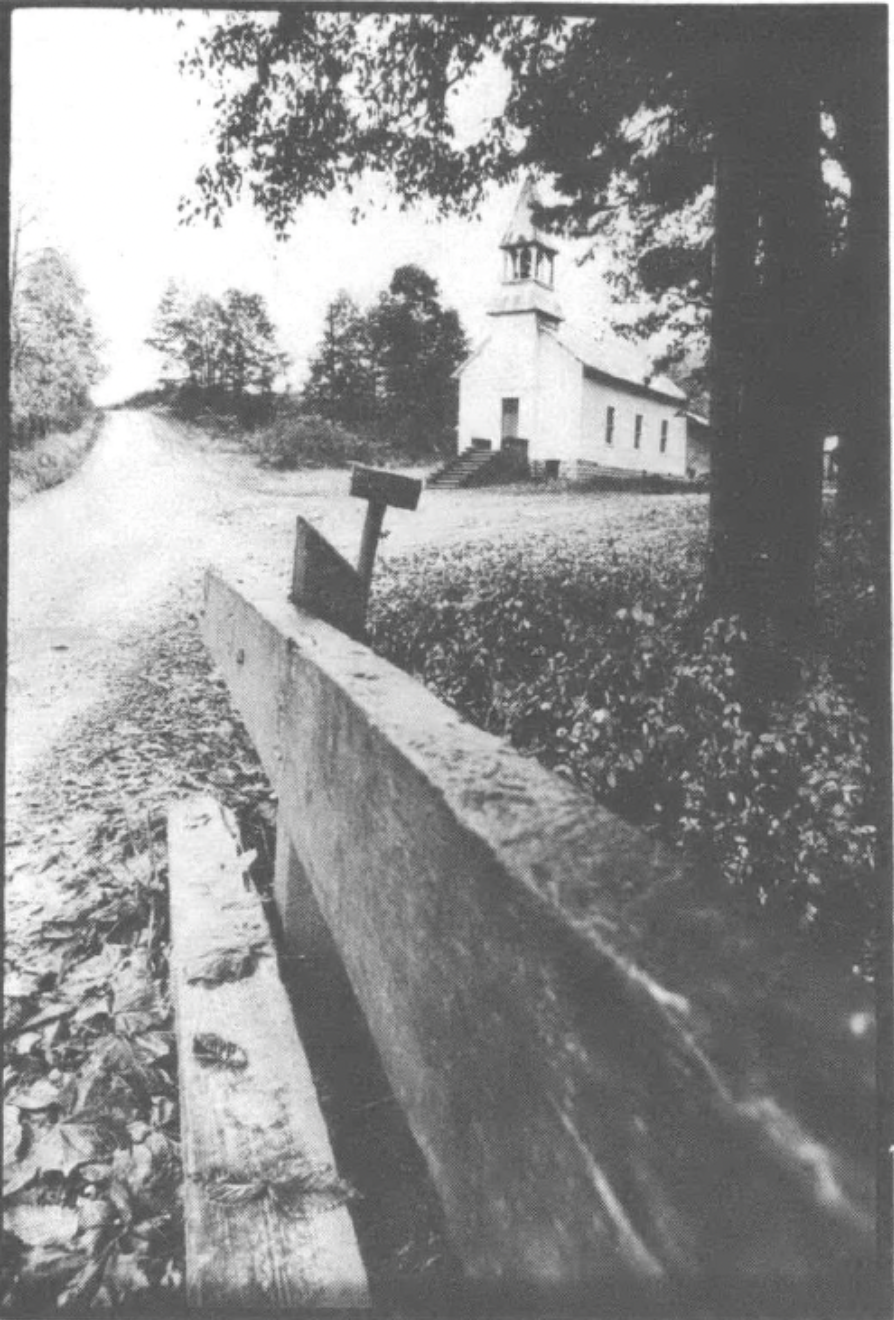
pixel 473 467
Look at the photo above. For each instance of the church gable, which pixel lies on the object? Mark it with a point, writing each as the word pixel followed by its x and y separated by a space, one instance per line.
pixel 577 402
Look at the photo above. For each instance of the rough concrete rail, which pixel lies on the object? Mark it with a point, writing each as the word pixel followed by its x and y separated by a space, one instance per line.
pixel 615 1079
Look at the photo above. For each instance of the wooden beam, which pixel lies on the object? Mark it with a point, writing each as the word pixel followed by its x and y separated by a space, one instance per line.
pixel 325 584
pixel 617 1080
pixel 267 1228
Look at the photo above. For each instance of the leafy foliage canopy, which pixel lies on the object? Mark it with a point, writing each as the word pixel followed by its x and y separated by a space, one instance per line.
pixel 390 369
pixel 228 343
pixel 54 348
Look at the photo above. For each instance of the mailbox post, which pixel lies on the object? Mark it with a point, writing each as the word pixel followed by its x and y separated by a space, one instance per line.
pixel 380 488
pixel 323 582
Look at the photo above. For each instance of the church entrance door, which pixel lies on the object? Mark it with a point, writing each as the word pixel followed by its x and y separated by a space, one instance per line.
pixel 509 423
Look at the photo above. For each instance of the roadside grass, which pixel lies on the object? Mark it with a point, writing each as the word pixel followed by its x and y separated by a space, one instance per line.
pixel 51 460
pixel 591 653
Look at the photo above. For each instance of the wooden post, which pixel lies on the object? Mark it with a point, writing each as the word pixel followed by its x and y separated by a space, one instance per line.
pixel 380 488
pixel 372 527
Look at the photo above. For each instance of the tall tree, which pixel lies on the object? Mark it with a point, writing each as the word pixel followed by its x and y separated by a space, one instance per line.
pixel 649 103
pixel 54 356
pixel 391 367
pixel 342 384
pixel 417 345
pixel 249 357
pixel 169 329
pixel 228 344
pixel 859 336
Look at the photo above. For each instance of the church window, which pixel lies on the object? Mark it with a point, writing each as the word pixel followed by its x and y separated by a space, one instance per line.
pixel 637 430
pixel 609 425
pixel 663 445
pixel 525 264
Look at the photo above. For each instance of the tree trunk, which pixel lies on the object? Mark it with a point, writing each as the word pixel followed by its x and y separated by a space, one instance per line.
pixel 767 480
pixel 864 342
pixel 786 444
pixel 735 235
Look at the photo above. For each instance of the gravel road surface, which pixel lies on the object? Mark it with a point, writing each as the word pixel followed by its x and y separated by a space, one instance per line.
pixel 99 563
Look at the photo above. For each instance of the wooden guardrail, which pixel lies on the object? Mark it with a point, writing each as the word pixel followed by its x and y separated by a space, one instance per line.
pixel 614 1078
pixel 265 1224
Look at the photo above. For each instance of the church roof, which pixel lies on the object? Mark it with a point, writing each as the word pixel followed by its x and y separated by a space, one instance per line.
pixel 621 362
pixel 522 228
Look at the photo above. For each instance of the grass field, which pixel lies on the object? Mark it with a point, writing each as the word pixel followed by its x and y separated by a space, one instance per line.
pixel 584 641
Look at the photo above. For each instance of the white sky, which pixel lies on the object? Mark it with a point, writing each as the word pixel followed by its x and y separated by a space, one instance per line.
pixel 107 136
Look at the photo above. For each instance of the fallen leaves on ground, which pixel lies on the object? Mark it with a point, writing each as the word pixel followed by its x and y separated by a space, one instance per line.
pixel 92 1173
pixel 215 1052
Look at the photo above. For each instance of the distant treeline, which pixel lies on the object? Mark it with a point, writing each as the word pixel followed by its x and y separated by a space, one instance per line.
pixel 224 345
pixel 380 379
pixel 389 371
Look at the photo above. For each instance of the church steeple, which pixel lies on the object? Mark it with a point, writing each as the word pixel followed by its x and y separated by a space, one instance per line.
pixel 528 264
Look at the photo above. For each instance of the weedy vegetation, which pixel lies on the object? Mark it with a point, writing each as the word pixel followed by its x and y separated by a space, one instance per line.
pixel 39 464
pixel 598 660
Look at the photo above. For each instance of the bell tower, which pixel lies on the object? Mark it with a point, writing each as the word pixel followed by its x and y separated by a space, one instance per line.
pixel 527 284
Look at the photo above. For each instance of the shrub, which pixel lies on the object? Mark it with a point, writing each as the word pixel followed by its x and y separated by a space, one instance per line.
pixel 51 459
pixel 212 405
pixel 308 441
pixel 603 669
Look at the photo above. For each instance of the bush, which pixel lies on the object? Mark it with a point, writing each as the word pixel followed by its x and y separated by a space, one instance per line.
pixel 212 405
pixel 603 671
pixel 51 459
pixel 308 441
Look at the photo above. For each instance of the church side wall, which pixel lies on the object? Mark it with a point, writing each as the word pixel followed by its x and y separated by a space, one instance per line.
pixel 622 453
pixel 506 367
pixel 557 433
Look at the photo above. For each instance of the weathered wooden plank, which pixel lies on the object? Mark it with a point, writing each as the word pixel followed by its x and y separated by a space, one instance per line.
pixel 325 584
pixel 245 1128
pixel 613 1076
pixel 384 487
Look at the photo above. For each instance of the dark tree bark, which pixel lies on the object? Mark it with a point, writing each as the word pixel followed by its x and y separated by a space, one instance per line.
pixel 787 365
pixel 767 478
pixel 863 340
pixel 730 553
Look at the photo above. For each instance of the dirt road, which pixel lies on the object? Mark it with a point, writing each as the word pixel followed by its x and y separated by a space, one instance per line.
pixel 102 559
pixel 90 561
pixel 100 562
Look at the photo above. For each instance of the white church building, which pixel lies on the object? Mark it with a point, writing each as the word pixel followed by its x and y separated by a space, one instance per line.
pixel 538 387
